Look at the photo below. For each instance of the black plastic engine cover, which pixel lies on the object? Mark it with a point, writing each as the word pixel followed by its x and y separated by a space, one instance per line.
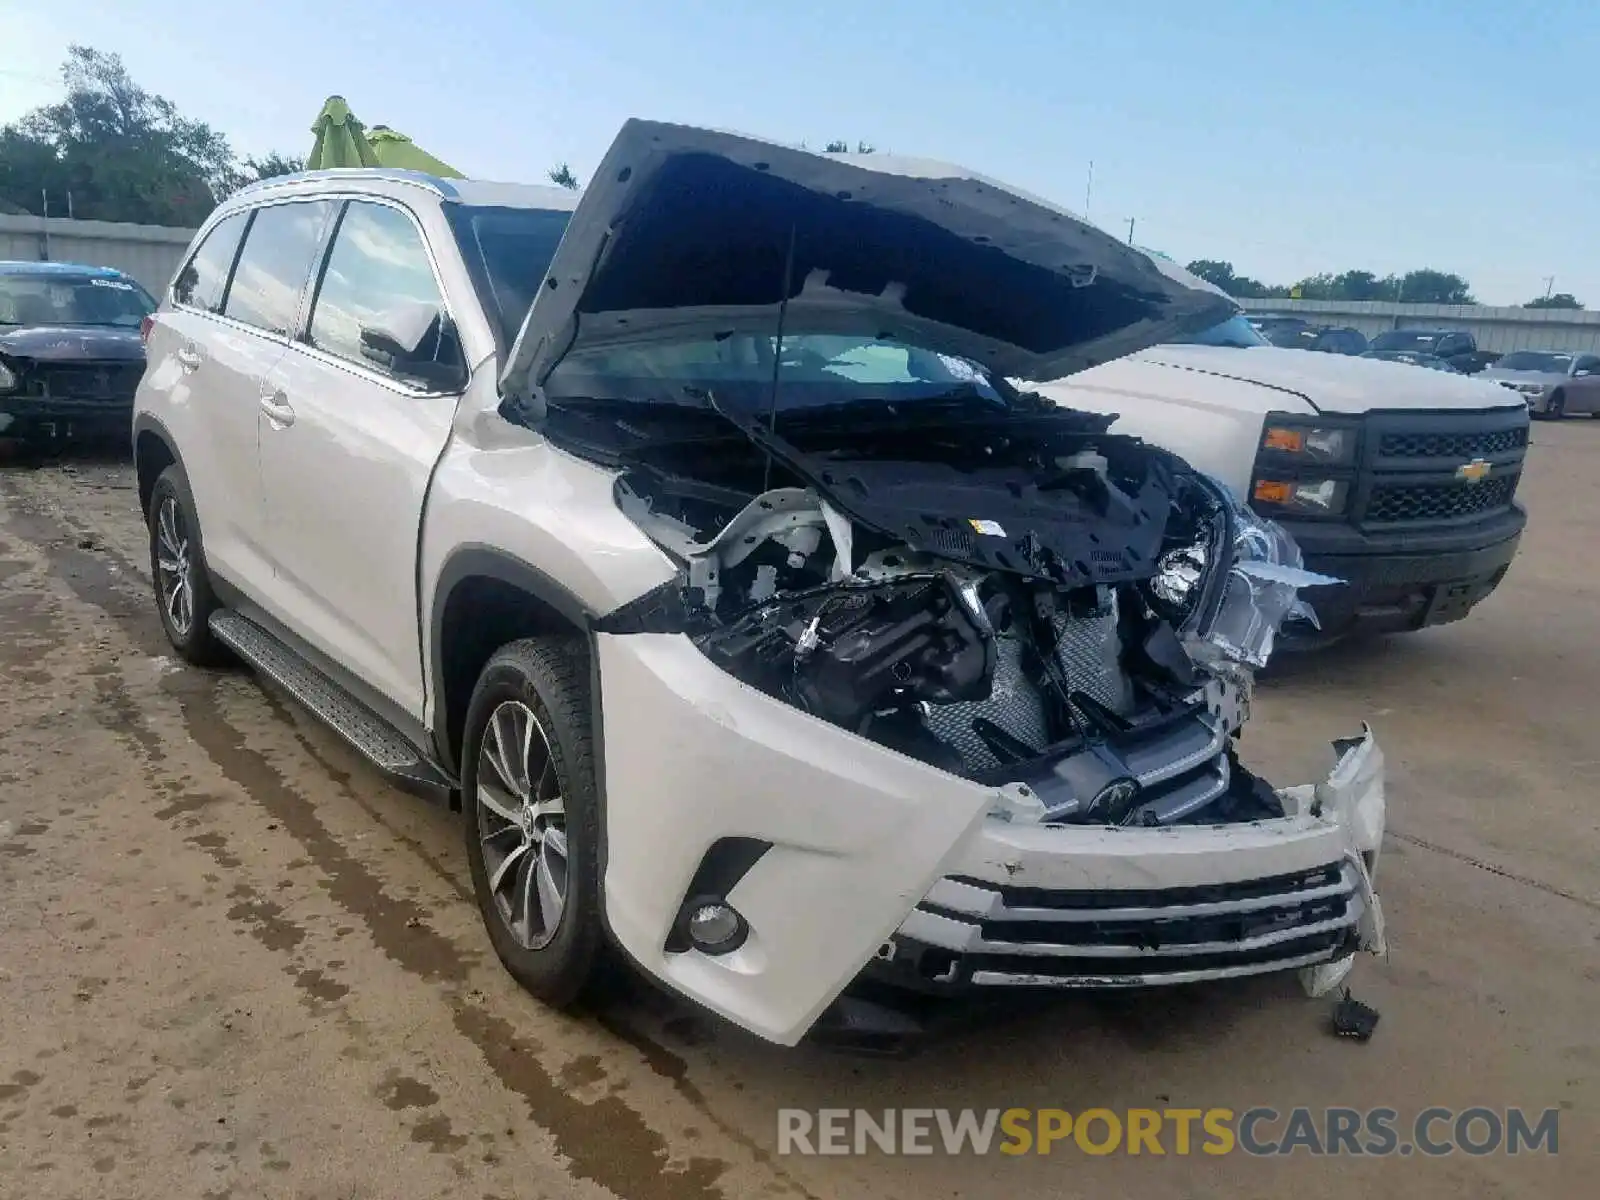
pixel 845 653
pixel 998 511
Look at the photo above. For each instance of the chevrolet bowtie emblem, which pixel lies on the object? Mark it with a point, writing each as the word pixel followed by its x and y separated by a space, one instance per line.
pixel 1475 471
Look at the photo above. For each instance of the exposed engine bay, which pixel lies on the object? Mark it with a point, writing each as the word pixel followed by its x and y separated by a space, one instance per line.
pixel 1021 599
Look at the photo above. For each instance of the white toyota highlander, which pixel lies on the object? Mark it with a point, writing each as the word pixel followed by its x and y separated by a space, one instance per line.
pixel 690 536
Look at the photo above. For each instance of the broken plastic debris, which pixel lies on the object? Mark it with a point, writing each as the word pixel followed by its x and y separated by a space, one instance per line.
pixel 1017 802
pixel 1353 1019
pixel 1320 980
pixel 1261 591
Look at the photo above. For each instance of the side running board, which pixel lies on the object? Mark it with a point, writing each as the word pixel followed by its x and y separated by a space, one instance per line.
pixel 377 740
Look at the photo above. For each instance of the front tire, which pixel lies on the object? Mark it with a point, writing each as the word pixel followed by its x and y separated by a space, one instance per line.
pixel 531 815
pixel 1556 407
pixel 178 569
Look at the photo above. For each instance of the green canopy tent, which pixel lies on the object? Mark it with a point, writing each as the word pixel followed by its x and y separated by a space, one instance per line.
pixel 395 149
pixel 342 141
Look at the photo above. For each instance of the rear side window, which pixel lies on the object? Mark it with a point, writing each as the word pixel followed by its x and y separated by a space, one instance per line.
pixel 379 304
pixel 279 252
pixel 203 279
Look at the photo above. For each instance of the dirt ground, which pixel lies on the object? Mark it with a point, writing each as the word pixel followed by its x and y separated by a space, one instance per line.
pixel 233 963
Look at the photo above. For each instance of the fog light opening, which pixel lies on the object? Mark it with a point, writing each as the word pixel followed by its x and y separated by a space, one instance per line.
pixel 713 926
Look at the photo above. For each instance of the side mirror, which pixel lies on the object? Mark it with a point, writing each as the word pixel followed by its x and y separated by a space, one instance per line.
pixel 432 360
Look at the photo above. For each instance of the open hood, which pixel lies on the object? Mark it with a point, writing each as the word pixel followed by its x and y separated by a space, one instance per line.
pixel 686 233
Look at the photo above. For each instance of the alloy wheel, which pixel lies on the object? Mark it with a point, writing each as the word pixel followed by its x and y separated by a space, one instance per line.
pixel 522 825
pixel 175 566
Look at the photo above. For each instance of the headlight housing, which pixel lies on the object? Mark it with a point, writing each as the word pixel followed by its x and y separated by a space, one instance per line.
pixel 1324 443
pixel 1319 496
pixel 8 379
pixel 1304 467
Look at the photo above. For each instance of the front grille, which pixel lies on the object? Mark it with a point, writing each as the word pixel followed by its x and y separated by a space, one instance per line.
pixel 968 932
pixel 85 381
pixel 1470 444
pixel 1439 501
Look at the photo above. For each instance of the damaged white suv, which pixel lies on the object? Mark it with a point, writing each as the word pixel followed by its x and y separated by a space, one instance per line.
pixel 691 534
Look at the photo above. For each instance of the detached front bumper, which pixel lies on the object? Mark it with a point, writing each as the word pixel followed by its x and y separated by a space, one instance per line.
pixel 850 854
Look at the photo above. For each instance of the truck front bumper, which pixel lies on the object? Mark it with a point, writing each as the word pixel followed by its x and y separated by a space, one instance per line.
pixel 1400 581
pixel 872 858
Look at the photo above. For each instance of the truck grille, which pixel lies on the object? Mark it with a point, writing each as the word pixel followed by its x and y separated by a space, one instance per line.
pixel 1410 467
pixel 970 932
pixel 1452 445
pixel 1439 501
pixel 85 381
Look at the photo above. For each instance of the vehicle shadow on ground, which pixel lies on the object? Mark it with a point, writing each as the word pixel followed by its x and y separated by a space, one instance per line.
pixel 1369 661
pixel 98 452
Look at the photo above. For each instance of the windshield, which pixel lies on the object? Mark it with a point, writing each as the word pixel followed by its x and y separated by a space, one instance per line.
pixel 512 248
pixel 1535 360
pixel 58 299
pixel 1235 331
pixel 816 370
pixel 1407 339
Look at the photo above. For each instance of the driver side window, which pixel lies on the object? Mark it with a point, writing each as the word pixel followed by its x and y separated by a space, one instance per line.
pixel 379 305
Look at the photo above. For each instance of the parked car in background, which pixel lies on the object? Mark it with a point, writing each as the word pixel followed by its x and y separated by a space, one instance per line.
pixel 1554 382
pixel 70 350
pixel 1432 361
pixel 767 634
pixel 1400 482
pixel 1457 348
pixel 1471 364
pixel 1302 335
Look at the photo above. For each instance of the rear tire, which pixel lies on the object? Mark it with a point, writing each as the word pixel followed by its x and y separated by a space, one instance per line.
pixel 184 597
pixel 530 805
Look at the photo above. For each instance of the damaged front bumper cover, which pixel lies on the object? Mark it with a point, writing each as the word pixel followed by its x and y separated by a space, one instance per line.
pixel 870 865
pixel 1114 906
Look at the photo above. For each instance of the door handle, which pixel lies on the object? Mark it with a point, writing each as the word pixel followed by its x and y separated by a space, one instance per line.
pixel 277 408
pixel 189 359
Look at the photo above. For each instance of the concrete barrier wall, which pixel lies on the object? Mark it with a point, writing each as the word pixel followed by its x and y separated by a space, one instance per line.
pixel 149 253
pixel 1502 329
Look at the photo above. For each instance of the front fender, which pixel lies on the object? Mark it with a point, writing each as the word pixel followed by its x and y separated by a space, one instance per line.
pixel 858 833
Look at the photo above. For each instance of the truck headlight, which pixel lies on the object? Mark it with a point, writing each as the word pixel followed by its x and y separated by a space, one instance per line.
pixel 1295 441
pixel 8 378
pixel 1300 497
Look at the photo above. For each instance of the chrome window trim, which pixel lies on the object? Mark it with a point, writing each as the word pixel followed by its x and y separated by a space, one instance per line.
pixel 297 339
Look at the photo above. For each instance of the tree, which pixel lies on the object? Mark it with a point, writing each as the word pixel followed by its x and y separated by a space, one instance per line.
pixel 1360 285
pixel 1559 300
pixel 124 154
pixel 270 166
pixel 1241 287
pixel 844 148
pixel 1428 286
pixel 561 175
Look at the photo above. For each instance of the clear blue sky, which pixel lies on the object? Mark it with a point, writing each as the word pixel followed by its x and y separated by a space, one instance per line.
pixel 1286 138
